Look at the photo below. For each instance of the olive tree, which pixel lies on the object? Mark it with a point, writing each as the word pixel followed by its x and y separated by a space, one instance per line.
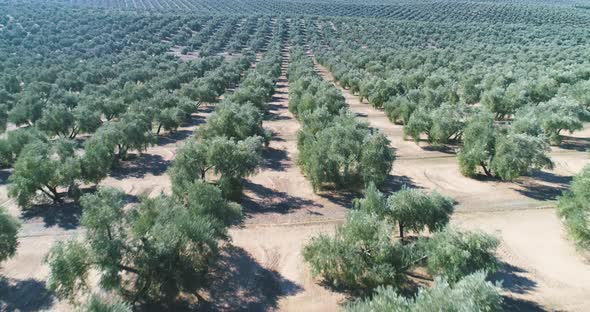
pixel 557 115
pixel 453 254
pixel 416 210
pixel 363 254
pixel 519 154
pixel 168 110
pixel 345 153
pixel 503 153
pixel 399 109
pixel 574 208
pixel 235 121
pixel 29 107
pixel 15 141
pixel 497 102
pixel 579 92
pixel 152 251
pixel 471 293
pixel 3 117
pixel 441 125
pixel 117 138
pixel 202 90
pixel 133 132
pixel 229 160
pixel 98 303
pixel 99 154
pixel 57 120
pixel 360 256
pixel 9 227
pixel 45 167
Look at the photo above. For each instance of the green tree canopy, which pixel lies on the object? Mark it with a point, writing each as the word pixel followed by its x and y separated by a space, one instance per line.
pixel 416 210
pixel 45 167
pixel 360 256
pixel 574 209
pixel 15 141
pixel 345 153
pixel 453 254
pixel 9 227
pixel 229 160
pixel 441 125
pixel 472 293
pixel 121 241
pixel 235 121
pixel 557 115
pixel 504 153
pixel 97 303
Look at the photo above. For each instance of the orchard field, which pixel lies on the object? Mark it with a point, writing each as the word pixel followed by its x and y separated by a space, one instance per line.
pixel 294 155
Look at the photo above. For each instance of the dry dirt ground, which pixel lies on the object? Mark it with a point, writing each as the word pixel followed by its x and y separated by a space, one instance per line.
pixel 264 268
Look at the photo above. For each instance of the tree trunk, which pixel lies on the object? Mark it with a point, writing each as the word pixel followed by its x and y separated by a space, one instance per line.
pixel 52 193
pixel 74 133
pixel 401 231
pixel 486 170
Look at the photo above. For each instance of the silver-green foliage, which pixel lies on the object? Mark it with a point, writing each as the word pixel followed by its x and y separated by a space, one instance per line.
pixel 163 245
pixel 98 303
pixel 416 210
pixel 574 209
pixel 9 227
pixel 360 256
pixel 470 294
pixel 45 167
pixel 503 153
pixel 556 115
pixel 453 254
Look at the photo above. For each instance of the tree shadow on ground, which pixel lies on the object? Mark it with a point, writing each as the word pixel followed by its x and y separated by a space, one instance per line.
pixel 273 112
pixel 543 185
pixel 272 201
pixel 521 305
pixel 173 137
pixel 512 279
pixel 64 215
pixel 340 197
pixel 4 175
pixel 24 295
pixel 449 149
pixel 275 159
pixel 140 167
pixel 576 144
pixel 241 283
pixel 395 183
pixel 276 137
pixel 344 198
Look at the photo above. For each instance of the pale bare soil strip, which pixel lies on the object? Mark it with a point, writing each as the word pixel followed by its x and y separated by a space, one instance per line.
pixel 542 268
pixel 282 214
